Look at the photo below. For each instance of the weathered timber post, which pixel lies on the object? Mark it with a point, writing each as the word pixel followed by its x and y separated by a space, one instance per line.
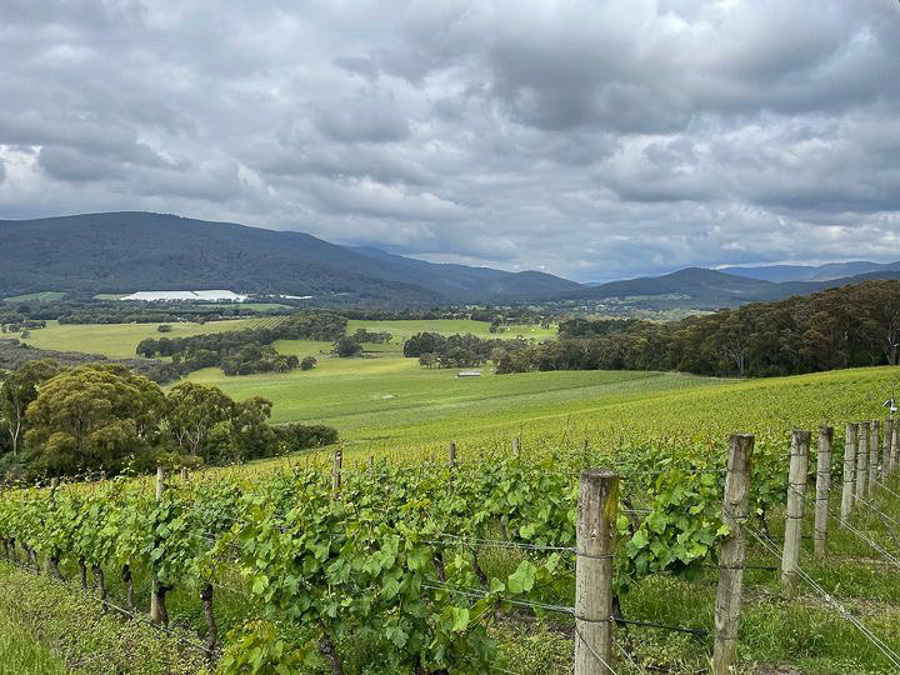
pixel 336 472
pixel 731 553
pixel 823 489
pixel 371 465
pixel 793 526
pixel 895 445
pixel 160 482
pixel 850 440
pixel 158 612
pixel 595 542
pixel 517 447
pixel 451 454
pixel 862 461
pixel 886 448
pixel 873 456
pixel 185 475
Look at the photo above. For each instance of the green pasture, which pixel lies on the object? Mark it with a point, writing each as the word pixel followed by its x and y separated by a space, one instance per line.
pixel 401 330
pixel 392 406
pixel 118 340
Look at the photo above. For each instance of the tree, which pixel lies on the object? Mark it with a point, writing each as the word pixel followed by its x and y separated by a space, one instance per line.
pixel 19 389
pixel 147 348
pixel 308 363
pixel 164 328
pixel 347 346
pixel 93 417
pixel 253 437
pixel 192 412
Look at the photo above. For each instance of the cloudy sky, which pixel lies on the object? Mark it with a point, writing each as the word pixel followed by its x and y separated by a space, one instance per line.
pixel 590 139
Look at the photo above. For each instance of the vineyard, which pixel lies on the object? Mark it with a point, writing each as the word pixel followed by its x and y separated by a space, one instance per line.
pixel 377 566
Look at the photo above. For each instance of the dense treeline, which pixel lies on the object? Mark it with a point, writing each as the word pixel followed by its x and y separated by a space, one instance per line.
pixel 456 351
pixel 243 352
pixel 104 417
pixel 856 325
pixel 579 327
pixel 96 311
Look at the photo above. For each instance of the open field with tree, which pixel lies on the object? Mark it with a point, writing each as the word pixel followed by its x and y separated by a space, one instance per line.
pixel 118 340
pixel 440 535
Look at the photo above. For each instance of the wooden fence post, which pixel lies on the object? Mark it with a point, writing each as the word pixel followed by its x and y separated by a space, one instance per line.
pixel 862 461
pixel 158 613
pixel 793 526
pixel 451 454
pixel 823 489
pixel 595 542
pixel 160 482
pixel 873 456
pixel 895 445
pixel 887 447
pixel 336 472
pixel 517 447
pixel 731 553
pixel 850 440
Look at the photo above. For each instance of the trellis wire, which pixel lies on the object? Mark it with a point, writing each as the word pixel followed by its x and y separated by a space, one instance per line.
pixel 774 550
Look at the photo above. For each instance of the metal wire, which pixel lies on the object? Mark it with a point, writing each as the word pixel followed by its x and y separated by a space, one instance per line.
pixel 591 650
pixel 773 549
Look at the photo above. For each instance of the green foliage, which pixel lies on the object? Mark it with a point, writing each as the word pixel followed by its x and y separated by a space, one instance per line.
pixel 93 417
pixel 854 325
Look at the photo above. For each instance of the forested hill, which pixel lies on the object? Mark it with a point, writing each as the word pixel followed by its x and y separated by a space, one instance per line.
pixel 130 251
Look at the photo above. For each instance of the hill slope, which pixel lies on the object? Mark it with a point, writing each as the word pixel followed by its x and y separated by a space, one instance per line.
pixel 690 287
pixel 828 272
pixel 129 251
pixel 699 288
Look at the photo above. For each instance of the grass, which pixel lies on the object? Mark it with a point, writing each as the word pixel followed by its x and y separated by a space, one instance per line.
pixel 45 296
pixel 118 340
pixel 20 654
pixel 401 330
pixel 385 397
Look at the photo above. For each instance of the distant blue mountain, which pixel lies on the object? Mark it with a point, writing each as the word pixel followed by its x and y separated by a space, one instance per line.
pixel 828 272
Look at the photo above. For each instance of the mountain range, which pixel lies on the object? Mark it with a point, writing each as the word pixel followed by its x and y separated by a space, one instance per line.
pixel 134 251
pixel 827 272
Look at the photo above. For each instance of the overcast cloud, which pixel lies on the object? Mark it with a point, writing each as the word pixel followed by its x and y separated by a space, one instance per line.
pixel 591 139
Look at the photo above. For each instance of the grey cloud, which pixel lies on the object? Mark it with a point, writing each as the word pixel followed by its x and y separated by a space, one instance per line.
pixel 593 139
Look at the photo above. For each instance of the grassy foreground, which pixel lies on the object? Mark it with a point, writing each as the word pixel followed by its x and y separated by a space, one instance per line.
pixel 20 654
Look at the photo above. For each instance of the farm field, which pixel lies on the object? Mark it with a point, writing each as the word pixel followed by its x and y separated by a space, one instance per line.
pixel 388 397
pixel 401 330
pixel 119 340
pixel 663 432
